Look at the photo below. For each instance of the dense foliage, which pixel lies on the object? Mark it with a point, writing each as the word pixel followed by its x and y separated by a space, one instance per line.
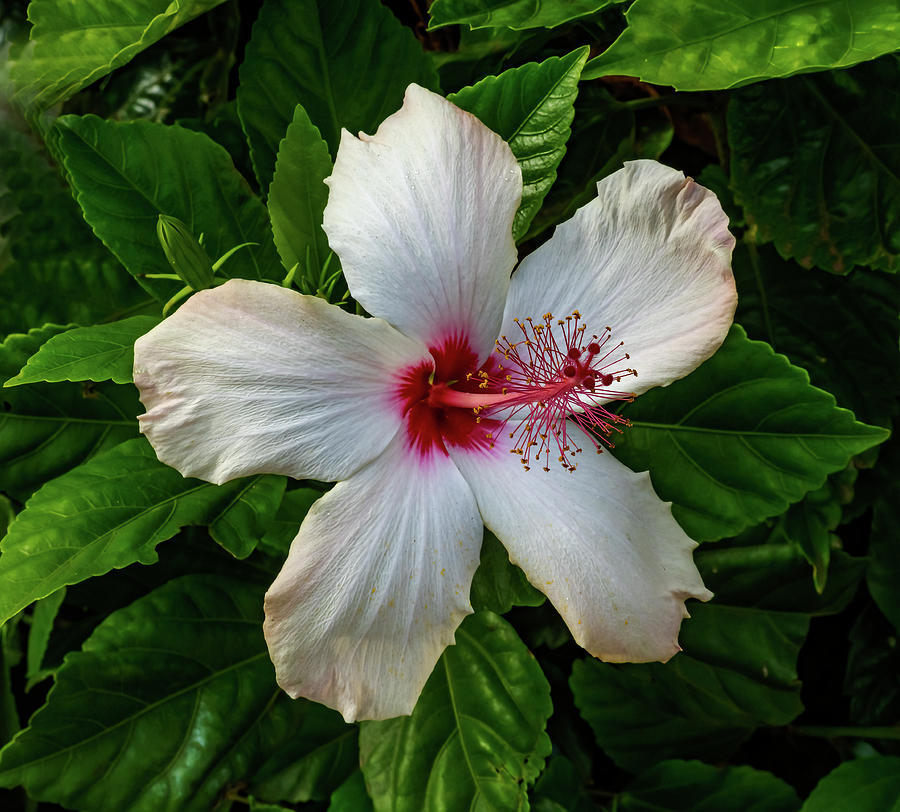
pixel 133 671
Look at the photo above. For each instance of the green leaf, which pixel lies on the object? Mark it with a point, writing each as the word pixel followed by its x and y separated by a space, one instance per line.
pixel 690 786
pixel 284 527
pixel 46 429
pixel 245 520
pixel 476 737
pixel 739 439
pixel 710 45
pixel 42 619
pixel 883 574
pixel 842 330
pixel 515 14
pixel 815 167
pixel 100 353
pixel 351 796
pixel 347 62
pixel 171 701
pixel 126 174
pixel 298 194
pixel 865 785
pixel 76 43
pixel 499 584
pixel 775 577
pixel 737 671
pixel 531 108
pixel 113 511
pixel 872 666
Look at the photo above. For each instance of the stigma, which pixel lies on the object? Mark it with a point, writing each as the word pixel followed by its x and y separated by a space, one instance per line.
pixel 550 372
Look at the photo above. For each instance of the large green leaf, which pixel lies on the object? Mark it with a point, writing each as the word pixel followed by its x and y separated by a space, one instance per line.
pixel 711 44
pixel 46 429
pixel 172 700
pixel 531 108
pixel 476 737
pixel 515 14
pixel 298 194
pixel 873 663
pixel 499 584
pixel 737 671
pixel 347 62
pixel 842 330
pixel 113 511
pixel 865 785
pixel 690 786
pixel 100 353
pixel 126 174
pixel 883 574
pixel 739 439
pixel 816 166
pixel 74 44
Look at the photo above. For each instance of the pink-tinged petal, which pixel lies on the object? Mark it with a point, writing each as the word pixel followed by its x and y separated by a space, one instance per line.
pixel 421 216
pixel 251 378
pixel 650 257
pixel 598 542
pixel 374 586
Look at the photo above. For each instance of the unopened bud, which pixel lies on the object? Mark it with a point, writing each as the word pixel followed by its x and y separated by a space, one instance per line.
pixel 184 252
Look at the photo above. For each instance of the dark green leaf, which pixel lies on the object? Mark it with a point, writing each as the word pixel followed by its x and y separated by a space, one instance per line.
pixel 689 786
pixel 739 439
pixel 244 521
pixel 865 785
pixel 127 174
pixel 531 108
pixel 499 584
pixel 737 671
pixel 347 62
pixel 298 194
pixel 516 14
pixel 476 737
pixel 76 43
pixel 883 574
pixel 46 429
pixel 172 700
pixel 113 511
pixel 286 524
pixel 709 45
pixel 815 168
pixel 42 618
pixel 100 353
pixel 351 796
pixel 842 330
pixel 872 667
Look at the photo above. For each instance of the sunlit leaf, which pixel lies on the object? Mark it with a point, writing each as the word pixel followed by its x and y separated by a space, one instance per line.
pixel 476 737
pixel 516 14
pixel 126 174
pixel 347 62
pixel 814 163
pixel 739 439
pixel 531 108
pixel 172 700
pixel 710 45
pixel 73 44
pixel 113 511
pixel 100 353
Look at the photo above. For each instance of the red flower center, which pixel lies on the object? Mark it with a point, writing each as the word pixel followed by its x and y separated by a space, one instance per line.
pixel 530 388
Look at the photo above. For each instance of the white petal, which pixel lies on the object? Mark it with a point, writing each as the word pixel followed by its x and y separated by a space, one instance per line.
pixel 598 542
pixel 252 378
pixel 374 586
pixel 649 257
pixel 421 216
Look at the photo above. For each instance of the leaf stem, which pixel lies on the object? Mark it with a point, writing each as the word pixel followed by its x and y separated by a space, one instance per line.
pixel 860 732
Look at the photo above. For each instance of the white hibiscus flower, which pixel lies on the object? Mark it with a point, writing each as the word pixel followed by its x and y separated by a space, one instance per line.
pixel 415 412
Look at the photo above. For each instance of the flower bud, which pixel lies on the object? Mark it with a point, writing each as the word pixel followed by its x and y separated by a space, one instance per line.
pixel 184 252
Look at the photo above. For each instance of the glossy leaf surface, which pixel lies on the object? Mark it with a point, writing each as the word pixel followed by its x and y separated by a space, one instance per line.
pixel 864 785
pixel 515 14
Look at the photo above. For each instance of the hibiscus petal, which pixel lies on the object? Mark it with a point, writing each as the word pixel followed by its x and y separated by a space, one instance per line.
pixel 598 542
pixel 252 378
pixel 374 586
pixel 421 216
pixel 649 257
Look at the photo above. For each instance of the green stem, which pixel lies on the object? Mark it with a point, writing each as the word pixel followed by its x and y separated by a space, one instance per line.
pixel 861 732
